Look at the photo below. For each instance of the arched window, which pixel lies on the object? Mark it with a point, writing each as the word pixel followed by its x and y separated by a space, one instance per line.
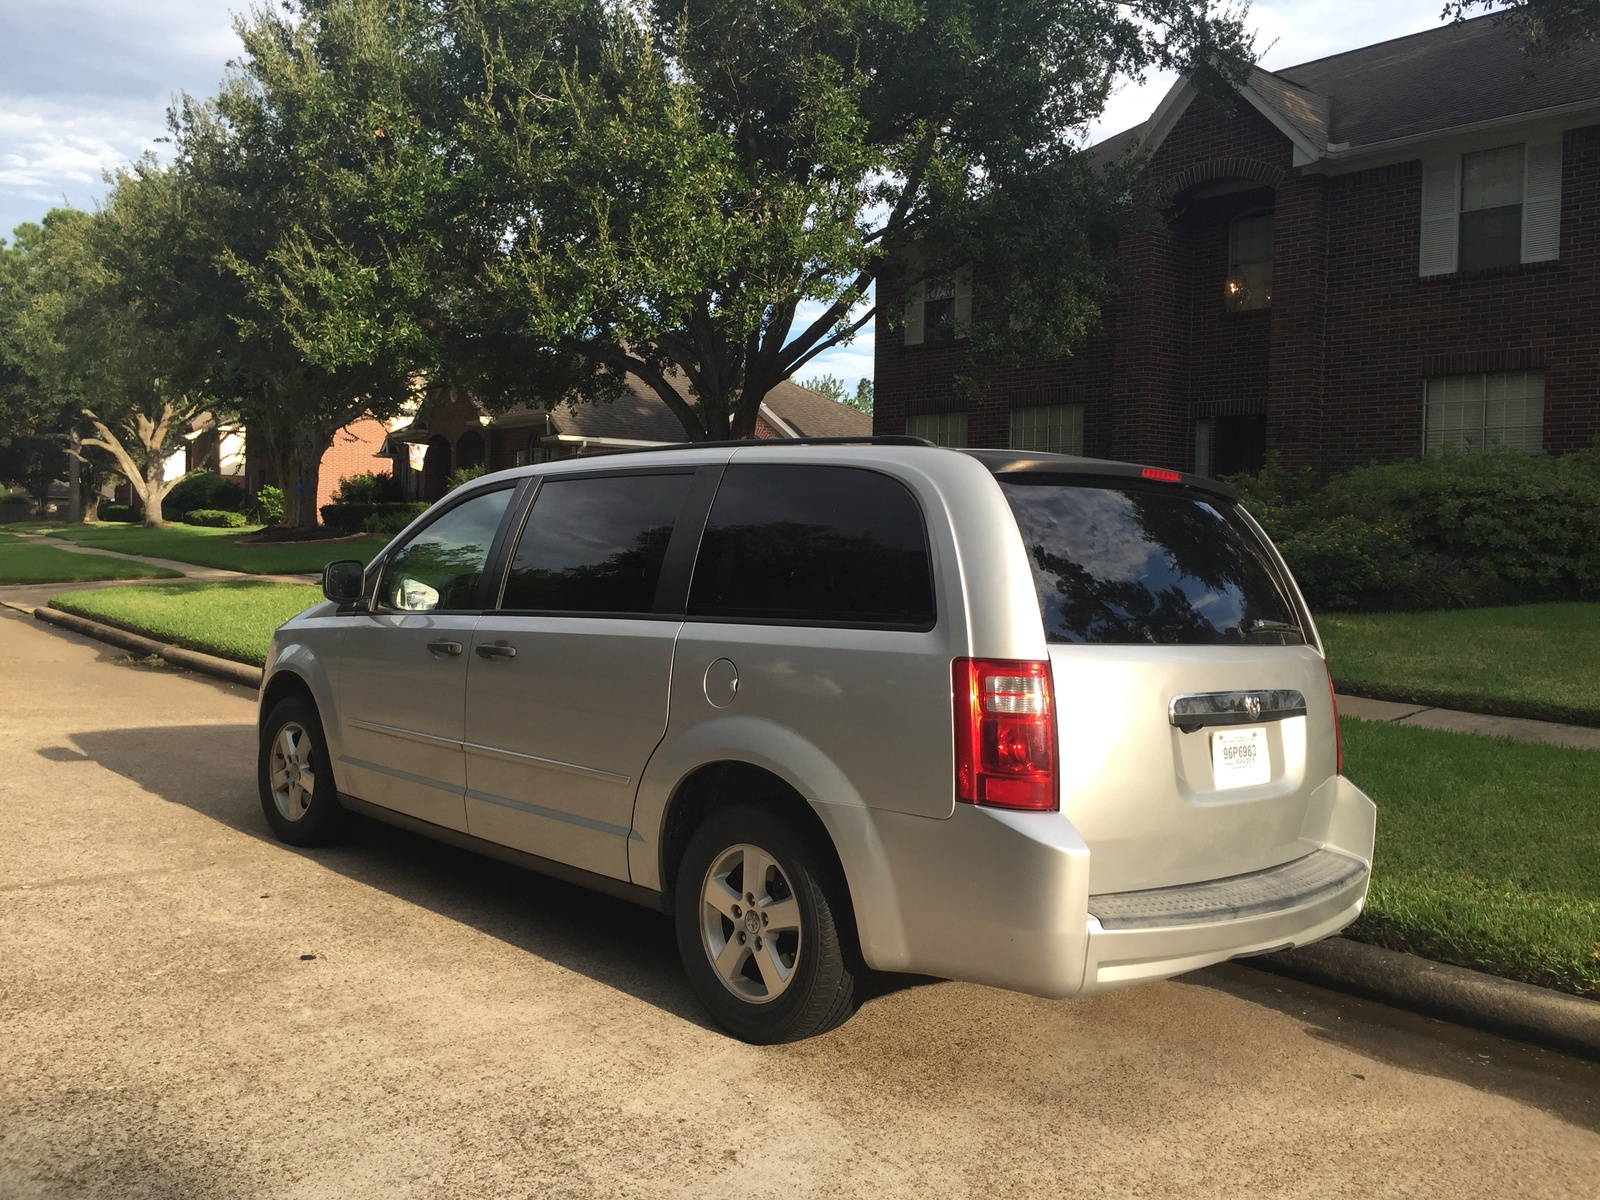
pixel 1249 283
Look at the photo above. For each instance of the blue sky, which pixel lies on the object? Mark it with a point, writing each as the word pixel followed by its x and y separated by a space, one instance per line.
pixel 85 85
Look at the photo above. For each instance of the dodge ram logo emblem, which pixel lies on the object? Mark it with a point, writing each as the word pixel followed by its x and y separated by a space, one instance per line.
pixel 1252 707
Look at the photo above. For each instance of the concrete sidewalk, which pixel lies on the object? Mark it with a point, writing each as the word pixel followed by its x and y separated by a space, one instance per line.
pixel 1454 721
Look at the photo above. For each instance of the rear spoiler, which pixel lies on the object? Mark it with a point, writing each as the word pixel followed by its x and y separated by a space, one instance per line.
pixel 1012 462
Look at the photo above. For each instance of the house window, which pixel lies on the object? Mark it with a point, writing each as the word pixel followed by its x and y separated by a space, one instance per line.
pixel 940 309
pixel 1477 412
pixel 1491 208
pixel 1051 428
pixel 942 429
pixel 1249 282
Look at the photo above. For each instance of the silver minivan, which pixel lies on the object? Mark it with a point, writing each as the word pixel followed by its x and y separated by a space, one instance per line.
pixel 1044 723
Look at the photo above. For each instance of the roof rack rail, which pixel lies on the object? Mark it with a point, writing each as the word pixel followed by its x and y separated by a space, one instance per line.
pixel 883 439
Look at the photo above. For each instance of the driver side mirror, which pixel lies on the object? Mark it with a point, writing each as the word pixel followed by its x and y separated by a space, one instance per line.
pixel 342 580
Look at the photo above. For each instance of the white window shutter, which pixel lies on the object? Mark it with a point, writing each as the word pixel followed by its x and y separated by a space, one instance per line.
pixel 914 315
pixel 1441 212
pixel 1541 203
pixel 963 289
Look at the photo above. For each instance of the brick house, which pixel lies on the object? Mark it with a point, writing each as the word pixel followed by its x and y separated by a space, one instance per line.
pixel 1366 256
pixel 451 431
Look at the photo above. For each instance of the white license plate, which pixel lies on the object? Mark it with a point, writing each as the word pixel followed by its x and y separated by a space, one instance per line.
pixel 1239 758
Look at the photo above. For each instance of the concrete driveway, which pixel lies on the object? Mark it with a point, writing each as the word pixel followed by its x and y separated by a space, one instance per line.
pixel 188 1008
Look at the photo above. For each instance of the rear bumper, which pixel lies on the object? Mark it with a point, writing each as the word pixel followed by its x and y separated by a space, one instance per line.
pixel 1002 899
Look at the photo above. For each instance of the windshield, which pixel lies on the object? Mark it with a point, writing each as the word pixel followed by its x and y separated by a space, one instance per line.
pixel 1147 565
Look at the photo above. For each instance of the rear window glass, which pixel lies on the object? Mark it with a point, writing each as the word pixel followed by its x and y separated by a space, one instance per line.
pixel 595 544
pixel 798 544
pixel 1147 566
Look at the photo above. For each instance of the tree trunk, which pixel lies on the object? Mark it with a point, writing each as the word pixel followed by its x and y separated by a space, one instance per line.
pixel 74 478
pixel 309 446
pixel 153 492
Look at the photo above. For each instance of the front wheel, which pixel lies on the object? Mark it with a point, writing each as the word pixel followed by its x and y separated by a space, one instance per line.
pixel 757 930
pixel 293 775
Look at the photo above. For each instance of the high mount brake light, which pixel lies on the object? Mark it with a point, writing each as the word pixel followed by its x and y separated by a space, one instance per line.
pixel 1163 476
pixel 1005 734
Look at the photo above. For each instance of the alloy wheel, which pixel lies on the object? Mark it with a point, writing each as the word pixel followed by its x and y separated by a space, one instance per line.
pixel 750 924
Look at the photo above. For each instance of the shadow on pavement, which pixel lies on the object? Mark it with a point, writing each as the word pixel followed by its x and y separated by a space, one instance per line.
pixel 1556 1083
pixel 633 950
pixel 621 945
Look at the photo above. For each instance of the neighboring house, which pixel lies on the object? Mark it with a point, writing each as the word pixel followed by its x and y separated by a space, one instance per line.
pixel 452 432
pixel 1368 256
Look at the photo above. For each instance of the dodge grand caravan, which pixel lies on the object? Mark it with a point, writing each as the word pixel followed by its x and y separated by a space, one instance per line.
pixel 1039 722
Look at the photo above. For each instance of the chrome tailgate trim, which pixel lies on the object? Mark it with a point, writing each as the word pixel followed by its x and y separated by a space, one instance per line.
pixel 1290 885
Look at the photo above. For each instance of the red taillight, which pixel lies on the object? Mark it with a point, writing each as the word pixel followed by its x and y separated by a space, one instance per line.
pixel 1163 476
pixel 1338 737
pixel 1005 734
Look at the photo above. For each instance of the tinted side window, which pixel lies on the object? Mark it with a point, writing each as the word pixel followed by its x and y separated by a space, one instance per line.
pixel 595 544
pixel 440 567
pixel 796 543
pixel 1147 566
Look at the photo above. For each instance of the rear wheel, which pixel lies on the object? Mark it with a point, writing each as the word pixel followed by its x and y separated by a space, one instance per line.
pixel 757 930
pixel 292 773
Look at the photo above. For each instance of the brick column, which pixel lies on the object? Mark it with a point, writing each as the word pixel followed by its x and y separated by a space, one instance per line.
pixel 1297 365
pixel 1149 412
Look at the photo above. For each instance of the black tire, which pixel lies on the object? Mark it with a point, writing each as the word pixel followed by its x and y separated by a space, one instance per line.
pixel 820 989
pixel 301 817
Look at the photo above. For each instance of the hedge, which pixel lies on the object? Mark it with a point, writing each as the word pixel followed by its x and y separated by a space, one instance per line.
pixel 350 518
pixel 202 489
pixel 216 518
pixel 1449 531
pixel 117 512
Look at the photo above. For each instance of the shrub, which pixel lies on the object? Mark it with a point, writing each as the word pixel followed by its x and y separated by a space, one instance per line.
pixel 266 506
pixel 463 475
pixel 117 512
pixel 216 518
pixel 202 489
pixel 371 488
pixel 15 499
pixel 1451 530
pixel 386 523
pixel 350 518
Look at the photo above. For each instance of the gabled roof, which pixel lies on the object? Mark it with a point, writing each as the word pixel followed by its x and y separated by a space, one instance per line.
pixel 639 415
pixel 1457 76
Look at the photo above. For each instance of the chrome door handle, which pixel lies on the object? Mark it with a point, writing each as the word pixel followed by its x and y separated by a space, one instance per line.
pixel 450 648
pixel 495 650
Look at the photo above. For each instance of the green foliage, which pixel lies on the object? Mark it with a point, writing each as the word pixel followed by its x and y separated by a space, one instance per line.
pixel 216 548
pixel 386 523
pixel 266 506
pixel 839 392
pixel 232 620
pixel 16 498
pixel 1528 660
pixel 463 475
pixel 351 518
pixel 202 489
pixel 117 512
pixel 371 488
pixel 1449 531
pixel 1486 852
pixel 216 518
pixel 30 562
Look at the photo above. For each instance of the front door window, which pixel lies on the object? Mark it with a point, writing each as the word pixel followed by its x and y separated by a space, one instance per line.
pixel 440 568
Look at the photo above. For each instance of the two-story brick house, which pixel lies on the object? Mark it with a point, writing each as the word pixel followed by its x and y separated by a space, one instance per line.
pixel 1366 256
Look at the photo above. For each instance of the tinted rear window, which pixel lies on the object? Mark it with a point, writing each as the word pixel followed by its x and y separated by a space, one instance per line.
pixel 835 545
pixel 595 544
pixel 1147 566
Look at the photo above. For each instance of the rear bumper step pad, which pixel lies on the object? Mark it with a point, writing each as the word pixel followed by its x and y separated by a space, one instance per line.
pixel 1303 881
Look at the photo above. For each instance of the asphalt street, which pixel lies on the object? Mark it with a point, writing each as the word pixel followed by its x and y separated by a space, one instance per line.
pixel 188 1008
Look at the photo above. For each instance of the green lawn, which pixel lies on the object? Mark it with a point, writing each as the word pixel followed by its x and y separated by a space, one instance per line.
pixel 1487 852
pixel 1532 660
pixel 233 620
pixel 215 547
pixel 28 562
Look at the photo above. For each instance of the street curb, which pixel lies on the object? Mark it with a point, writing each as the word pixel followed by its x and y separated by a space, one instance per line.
pixel 189 660
pixel 1539 1015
